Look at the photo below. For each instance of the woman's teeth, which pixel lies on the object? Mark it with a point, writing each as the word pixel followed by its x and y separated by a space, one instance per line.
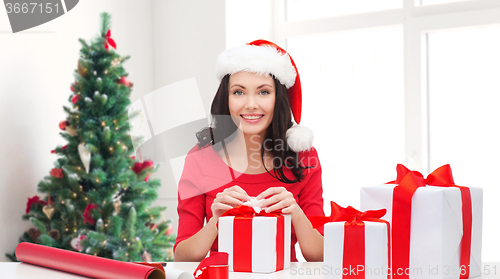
pixel 253 117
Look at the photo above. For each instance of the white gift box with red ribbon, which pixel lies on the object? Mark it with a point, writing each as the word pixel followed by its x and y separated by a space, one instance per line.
pixel 375 265
pixel 437 228
pixel 356 243
pixel 256 244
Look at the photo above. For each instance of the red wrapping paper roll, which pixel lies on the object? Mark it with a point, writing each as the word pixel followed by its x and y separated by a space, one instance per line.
pixel 83 264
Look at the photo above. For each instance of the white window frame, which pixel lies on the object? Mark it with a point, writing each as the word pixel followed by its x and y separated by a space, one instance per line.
pixel 416 22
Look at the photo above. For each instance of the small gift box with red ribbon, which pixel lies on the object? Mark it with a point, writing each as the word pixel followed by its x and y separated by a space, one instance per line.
pixel 356 244
pixel 436 225
pixel 255 241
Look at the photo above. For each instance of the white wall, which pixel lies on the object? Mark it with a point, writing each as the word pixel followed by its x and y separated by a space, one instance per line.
pixel 188 37
pixel 247 21
pixel 36 70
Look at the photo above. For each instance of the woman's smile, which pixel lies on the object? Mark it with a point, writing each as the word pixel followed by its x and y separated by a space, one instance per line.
pixel 252 117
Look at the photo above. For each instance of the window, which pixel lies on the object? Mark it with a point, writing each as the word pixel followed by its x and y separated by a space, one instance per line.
pixel 434 2
pixel 297 10
pixel 352 84
pixel 464 115
pixel 387 82
pixel 411 81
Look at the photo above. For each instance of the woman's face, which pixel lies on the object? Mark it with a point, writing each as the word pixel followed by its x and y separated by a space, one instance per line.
pixel 251 101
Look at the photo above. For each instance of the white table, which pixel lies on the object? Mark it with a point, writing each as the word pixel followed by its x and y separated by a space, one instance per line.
pixel 28 271
pixel 297 270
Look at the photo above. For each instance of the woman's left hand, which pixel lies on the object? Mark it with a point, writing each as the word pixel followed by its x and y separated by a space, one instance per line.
pixel 310 240
pixel 279 198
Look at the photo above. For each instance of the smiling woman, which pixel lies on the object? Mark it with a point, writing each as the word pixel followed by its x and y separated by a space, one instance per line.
pixel 251 99
pixel 252 149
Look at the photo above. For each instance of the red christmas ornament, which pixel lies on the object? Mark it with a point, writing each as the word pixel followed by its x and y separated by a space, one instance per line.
pixel 138 167
pixel 63 125
pixel 75 99
pixel 54 151
pixel 73 86
pixel 124 80
pixel 109 41
pixel 153 226
pixel 33 200
pixel 57 173
pixel 87 214
pixel 170 230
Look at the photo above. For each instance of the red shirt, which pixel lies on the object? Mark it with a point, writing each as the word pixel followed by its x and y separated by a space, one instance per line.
pixel 205 174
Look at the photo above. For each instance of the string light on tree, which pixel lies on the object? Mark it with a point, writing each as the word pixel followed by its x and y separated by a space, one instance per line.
pixel 115 62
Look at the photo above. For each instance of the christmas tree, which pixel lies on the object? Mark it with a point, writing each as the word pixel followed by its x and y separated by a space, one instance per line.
pixel 98 197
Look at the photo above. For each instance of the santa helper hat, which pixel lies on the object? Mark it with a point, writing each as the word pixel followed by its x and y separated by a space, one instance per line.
pixel 264 57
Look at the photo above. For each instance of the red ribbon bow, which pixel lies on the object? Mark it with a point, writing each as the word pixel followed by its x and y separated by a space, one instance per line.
pixel 87 214
pixel 354 234
pixel 347 214
pixel 242 237
pixel 34 200
pixel 247 211
pixel 213 267
pixel 409 182
pixel 109 41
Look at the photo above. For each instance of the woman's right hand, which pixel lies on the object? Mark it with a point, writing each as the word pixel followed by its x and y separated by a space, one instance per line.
pixel 227 199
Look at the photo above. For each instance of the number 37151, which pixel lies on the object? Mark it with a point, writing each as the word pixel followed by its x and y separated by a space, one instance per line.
pixel 32 8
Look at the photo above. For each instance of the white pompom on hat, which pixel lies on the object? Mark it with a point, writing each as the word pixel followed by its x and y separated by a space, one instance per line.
pixel 265 57
pixel 299 138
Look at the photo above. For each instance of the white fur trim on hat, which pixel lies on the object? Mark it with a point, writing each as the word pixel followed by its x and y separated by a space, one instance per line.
pixel 299 138
pixel 262 60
